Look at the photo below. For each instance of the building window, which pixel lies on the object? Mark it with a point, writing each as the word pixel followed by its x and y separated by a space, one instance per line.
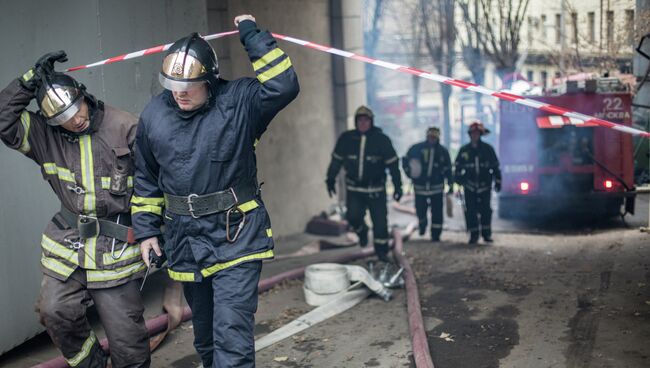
pixel 543 24
pixel 629 26
pixel 610 28
pixel 529 75
pixel 544 77
pixel 574 28
pixel 591 24
pixel 558 28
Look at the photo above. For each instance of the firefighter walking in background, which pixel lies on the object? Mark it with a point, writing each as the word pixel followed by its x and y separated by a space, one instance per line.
pixel 428 165
pixel 366 152
pixel 85 151
pixel 476 168
pixel 195 159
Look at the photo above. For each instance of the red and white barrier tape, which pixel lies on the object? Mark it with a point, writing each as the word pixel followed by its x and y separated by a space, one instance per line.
pixel 553 109
pixel 149 51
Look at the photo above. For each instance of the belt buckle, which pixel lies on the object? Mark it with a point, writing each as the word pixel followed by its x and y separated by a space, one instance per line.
pixel 83 222
pixel 190 206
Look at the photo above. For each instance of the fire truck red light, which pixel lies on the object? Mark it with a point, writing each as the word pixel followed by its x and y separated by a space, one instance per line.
pixel 524 186
pixel 608 184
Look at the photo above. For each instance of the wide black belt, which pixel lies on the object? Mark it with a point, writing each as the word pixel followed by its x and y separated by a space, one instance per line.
pixel 90 226
pixel 196 205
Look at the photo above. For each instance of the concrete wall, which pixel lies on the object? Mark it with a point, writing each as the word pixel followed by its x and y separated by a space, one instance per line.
pixel 294 153
pixel 292 156
pixel 88 31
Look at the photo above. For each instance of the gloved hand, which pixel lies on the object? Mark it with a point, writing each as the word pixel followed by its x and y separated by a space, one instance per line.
pixel 331 187
pixel 44 66
pixel 398 193
pixel 497 186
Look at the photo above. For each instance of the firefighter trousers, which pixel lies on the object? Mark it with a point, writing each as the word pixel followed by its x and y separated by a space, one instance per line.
pixel 62 308
pixel 478 205
pixel 357 204
pixel 223 315
pixel 422 204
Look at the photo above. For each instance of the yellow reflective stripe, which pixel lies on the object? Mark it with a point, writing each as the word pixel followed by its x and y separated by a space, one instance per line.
pixel 56 266
pixel 106 182
pixel 156 201
pixel 153 209
pixel 89 249
pixel 273 72
pixel 88 181
pixel 391 160
pixel 222 266
pixel 63 173
pixel 26 121
pixel 269 233
pixel 116 274
pixel 248 206
pixel 87 173
pixel 181 276
pixel 266 59
pixel 28 75
pixel 85 350
pixel 256 142
pixel 130 252
pixel 60 250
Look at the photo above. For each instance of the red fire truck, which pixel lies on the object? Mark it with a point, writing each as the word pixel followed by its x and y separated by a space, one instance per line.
pixel 552 164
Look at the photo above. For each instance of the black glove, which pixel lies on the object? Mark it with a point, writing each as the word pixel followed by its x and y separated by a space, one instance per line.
pixel 398 193
pixel 331 187
pixel 497 186
pixel 44 66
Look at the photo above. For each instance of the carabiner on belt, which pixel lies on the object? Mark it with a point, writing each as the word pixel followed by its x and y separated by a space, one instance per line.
pixel 240 226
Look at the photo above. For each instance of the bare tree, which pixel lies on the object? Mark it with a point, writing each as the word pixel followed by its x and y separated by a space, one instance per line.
pixel 371 36
pixel 497 26
pixel 473 54
pixel 438 26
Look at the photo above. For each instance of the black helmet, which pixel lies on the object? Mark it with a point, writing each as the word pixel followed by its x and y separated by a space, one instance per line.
pixel 59 98
pixel 189 61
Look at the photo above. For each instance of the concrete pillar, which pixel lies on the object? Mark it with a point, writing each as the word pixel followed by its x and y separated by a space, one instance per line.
pixel 294 153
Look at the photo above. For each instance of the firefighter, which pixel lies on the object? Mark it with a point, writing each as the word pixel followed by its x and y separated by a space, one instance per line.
pixel 428 165
pixel 84 149
pixel 196 173
pixel 365 152
pixel 476 168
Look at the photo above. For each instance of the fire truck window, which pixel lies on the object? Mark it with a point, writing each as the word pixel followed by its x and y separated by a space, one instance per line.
pixel 567 145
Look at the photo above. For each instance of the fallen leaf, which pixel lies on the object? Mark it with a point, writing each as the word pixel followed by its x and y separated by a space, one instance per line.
pixel 281 359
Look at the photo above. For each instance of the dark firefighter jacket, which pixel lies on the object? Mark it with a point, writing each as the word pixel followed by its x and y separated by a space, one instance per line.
pixel 435 167
pixel 476 168
pixel 365 158
pixel 210 151
pixel 79 171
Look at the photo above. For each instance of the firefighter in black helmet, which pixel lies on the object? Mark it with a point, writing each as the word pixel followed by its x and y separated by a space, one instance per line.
pixel 196 173
pixel 428 165
pixel 476 168
pixel 365 153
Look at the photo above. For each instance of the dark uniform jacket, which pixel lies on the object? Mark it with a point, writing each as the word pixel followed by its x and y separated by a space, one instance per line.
pixel 476 168
pixel 79 170
pixel 365 158
pixel 210 151
pixel 435 167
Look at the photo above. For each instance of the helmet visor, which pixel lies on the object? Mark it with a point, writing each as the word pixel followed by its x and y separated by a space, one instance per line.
pixel 60 103
pixel 177 85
